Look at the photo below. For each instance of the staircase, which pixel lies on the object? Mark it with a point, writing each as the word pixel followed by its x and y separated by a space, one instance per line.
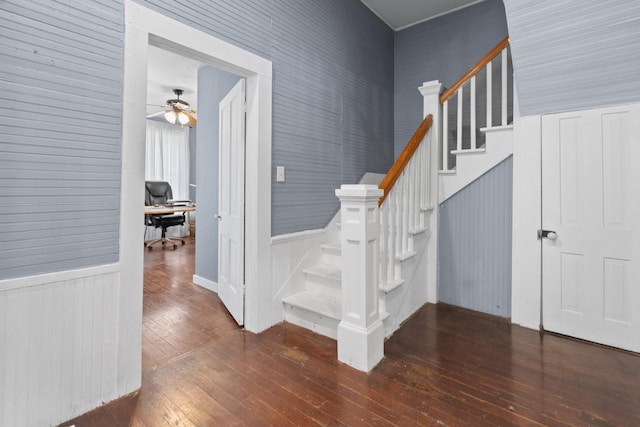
pixel 400 272
pixel 405 220
pixel 318 305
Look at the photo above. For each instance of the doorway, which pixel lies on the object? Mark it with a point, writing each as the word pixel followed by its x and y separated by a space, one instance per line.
pixel 144 27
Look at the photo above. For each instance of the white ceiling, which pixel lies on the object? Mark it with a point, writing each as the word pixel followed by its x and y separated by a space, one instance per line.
pixel 168 71
pixel 400 14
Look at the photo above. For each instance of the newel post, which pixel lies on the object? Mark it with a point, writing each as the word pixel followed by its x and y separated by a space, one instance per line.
pixel 360 332
pixel 430 92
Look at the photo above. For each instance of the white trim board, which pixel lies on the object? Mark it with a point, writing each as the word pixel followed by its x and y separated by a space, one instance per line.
pixel 58 276
pixel 205 283
pixel 142 28
pixel 526 257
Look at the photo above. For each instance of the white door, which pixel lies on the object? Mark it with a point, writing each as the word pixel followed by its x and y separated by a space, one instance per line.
pixel 231 202
pixel 591 200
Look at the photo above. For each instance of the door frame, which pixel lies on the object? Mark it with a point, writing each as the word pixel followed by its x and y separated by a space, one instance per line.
pixel 142 28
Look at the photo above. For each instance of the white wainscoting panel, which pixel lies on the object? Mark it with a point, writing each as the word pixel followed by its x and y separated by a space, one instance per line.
pixel 58 345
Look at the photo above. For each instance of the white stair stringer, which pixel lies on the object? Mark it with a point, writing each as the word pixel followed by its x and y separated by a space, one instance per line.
pixel 471 164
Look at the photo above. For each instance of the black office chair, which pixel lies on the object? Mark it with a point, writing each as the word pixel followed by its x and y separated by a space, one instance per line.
pixel 158 193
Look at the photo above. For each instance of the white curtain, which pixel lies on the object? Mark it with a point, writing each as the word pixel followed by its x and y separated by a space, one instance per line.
pixel 167 159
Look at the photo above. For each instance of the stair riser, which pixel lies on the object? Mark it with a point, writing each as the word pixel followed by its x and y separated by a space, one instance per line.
pixel 323 282
pixel 315 322
pixel 332 258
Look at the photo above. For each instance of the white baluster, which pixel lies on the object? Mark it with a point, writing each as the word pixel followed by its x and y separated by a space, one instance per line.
pixel 399 219
pixel 489 95
pixel 472 127
pixel 405 213
pixel 413 196
pixel 460 96
pixel 504 87
pixel 427 169
pixel 445 136
pixel 421 182
pixel 412 184
pixel 384 246
pixel 391 242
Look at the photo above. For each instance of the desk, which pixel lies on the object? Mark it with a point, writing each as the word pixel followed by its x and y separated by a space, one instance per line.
pixel 164 210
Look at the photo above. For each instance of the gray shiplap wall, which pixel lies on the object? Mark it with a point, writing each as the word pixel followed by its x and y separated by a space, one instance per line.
pixel 575 54
pixel 474 244
pixel 440 49
pixel 60 114
pixel 60 126
pixel 332 93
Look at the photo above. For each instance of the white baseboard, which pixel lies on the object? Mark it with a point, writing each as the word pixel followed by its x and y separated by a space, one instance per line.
pixel 205 283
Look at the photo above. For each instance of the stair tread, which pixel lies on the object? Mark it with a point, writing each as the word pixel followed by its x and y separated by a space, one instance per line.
pixel 327 304
pixel 470 151
pixel 390 286
pixel 497 128
pixel 336 246
pixel 405 255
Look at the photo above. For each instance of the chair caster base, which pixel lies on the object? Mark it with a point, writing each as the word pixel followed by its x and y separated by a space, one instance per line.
pixel 163 241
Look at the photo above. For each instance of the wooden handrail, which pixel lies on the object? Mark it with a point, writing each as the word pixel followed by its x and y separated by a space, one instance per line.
pixel 394 173
pixel 474 70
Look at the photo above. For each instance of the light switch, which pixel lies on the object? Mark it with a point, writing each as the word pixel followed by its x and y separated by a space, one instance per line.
pixel 279 173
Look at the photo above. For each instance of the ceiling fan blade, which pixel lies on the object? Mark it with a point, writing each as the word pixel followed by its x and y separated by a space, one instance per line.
pixel 152 115
pixel 192 120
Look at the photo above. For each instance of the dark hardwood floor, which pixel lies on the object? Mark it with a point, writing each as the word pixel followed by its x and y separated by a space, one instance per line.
pixel 445 367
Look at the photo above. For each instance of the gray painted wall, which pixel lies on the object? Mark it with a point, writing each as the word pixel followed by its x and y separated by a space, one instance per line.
pixel 60 140
pixel 474 244
pixel 332 93
pixel 440 49
pixel 60 127
pixel 213 85
pixel 575 54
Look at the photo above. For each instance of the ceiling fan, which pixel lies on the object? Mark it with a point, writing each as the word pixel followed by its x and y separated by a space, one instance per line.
pixel 178 111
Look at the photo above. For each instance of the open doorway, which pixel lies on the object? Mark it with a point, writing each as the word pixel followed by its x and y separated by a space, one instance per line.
pixel 178 317
pixel 144 28
pixel 215 159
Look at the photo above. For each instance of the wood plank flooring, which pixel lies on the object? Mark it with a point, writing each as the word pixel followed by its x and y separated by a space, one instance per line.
pixel 445 367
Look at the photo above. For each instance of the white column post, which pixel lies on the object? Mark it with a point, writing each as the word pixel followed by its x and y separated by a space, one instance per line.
pixel 431 105
pixel 360 332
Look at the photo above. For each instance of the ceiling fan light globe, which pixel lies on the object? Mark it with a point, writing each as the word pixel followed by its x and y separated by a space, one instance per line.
pixel 183 118
pixel 170 116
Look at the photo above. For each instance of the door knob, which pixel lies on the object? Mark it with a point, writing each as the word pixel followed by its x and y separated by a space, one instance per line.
pixel 218 217
pixel 547 234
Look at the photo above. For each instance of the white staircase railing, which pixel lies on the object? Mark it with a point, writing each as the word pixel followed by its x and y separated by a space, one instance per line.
pixel 403 211
pixel 460 126
pixel 376 242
